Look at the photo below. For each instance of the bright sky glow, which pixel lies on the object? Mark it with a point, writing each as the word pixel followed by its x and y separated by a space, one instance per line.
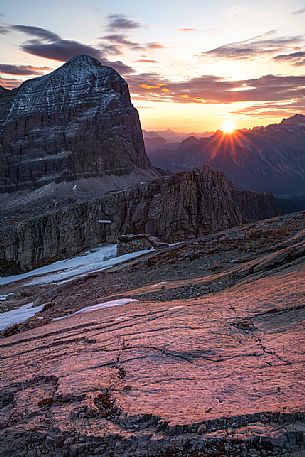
pixel 189 63
pixel 228 126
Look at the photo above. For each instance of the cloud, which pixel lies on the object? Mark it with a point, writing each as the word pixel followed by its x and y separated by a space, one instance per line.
pixel 120 39
pixel 120 67
pixel 3 30
pixel 37 32
pixel 186 29
pixel 9 69
pixel 147 61
pixel 60 50
pixel 295 58
pixel 49 45
pixel 277 109
pixel 10 83
pixel 212 89
pixel 295 13
pixel 255 47
pixel 154 45
pixel 116 43
pixel 121 22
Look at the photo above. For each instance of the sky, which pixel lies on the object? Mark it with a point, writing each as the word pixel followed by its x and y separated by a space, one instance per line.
pixel 190 64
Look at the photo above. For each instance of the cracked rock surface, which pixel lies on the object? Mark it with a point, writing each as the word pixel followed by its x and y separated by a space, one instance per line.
pixel 209 361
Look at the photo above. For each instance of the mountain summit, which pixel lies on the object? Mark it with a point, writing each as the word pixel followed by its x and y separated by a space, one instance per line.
pixel 76 122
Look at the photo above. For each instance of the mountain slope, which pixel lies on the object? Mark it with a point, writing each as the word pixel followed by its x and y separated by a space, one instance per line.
pixel 196 350
pixel 76 122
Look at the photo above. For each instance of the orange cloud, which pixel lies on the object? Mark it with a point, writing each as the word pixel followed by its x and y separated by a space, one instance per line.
pixel 147 61
pixel 186 29
pixel 147 86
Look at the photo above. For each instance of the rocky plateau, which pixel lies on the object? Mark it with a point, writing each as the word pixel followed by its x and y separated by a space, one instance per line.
pixel 208 360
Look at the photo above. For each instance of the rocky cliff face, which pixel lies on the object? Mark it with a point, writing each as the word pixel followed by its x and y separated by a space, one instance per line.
pixel 264 159
pixel 255 205
pixel 76 122
pixel 180 207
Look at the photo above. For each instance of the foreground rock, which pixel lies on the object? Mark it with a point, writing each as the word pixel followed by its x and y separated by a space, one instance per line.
pixel 208 361
pixel 183 206
pixel 132 243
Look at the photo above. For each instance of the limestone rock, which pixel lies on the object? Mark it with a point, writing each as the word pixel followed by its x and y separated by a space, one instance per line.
pixel 132 243
pixel 77 121
pixel 203 364
pixel 183 206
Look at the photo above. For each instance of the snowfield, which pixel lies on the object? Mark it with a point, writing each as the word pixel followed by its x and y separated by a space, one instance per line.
pixel 106 304
pixel 66 270
pixel 61 271
pixel 16 316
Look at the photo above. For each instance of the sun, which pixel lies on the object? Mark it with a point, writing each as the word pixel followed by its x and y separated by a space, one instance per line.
pixel 228 126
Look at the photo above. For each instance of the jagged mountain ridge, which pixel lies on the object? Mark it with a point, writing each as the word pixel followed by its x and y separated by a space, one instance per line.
pixel 182 206
pixel 76 122
pixel 264 159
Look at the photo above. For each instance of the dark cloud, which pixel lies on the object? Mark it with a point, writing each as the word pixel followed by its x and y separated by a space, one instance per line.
pixel 37 32
pixel 60 50
pixel 121 22
pixel 51 46
pixel 295 13
pixel 255 47
pixel 295 58
pixel 3 30
pixel 120 67
pixel 9 69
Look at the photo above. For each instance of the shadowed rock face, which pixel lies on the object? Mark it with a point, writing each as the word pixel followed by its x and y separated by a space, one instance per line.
pixel 75 122
pixel 181 207
pixel 208 362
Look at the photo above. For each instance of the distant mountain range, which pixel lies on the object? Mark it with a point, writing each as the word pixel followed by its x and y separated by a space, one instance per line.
pixel 170 136
pixel 268 159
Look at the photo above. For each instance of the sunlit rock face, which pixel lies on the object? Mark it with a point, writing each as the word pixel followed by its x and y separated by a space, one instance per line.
pixel 208 361
pixel 76 122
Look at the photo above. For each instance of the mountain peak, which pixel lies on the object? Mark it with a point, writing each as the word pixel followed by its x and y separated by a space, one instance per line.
pixel 79 123
pixel 82 66
pixel 84 61
pixel 294 120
